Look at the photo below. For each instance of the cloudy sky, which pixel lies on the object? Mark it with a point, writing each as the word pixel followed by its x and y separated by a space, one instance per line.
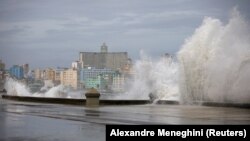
pixel 51 33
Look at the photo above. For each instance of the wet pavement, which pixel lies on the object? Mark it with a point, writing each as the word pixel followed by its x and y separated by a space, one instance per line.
pixel 23 121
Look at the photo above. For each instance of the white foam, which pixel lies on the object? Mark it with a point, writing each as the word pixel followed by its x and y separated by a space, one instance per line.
pixel 215 62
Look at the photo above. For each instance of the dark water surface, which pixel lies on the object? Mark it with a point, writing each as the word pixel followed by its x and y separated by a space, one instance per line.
pixel 23 121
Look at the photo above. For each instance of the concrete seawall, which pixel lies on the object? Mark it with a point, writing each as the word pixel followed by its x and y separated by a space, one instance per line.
pixel 45 100
pixel 114 102
pixel 73 101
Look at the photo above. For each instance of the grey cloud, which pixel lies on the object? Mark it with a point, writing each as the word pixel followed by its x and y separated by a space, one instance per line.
pixel 59 29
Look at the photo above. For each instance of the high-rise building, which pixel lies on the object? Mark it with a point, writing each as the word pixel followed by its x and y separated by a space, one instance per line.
pixel 98 82
pixel 49 74
pixel 89 77
pixel 17 72
pixel 70 77
pixel 58 76
pixel 118 83
pixel 93 73
pixel 38 74
pixel 103 59
pixel 25 70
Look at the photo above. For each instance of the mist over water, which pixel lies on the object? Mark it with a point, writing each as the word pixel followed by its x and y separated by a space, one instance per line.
pixel 14 87
pixel 17 88
pixel 212 65
pixel 157 77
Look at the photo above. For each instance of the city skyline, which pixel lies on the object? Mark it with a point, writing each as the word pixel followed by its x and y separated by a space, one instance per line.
pixel 52 33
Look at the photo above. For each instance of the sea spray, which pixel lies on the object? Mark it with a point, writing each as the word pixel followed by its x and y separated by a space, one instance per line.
pixel 215 62
pixel 14 87
pixel 153 77
pixel 17 88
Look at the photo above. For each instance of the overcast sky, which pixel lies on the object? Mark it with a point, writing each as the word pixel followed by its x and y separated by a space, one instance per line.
pixel 51 33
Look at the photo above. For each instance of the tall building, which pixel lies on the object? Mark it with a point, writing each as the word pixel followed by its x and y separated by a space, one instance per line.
pixel 93 73
pixel 98 82
pixel 58 76
pixel 92 77
pixel 118 84
pixel 70 77
pixel 25 70
pixel 49 74
pixel 103 59
pixel 38 74
pixel 17 72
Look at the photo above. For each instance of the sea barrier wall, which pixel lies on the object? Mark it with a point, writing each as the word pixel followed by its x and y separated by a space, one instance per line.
pixel 71 101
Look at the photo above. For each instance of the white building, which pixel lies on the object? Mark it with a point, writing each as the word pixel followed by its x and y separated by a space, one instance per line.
pixel 71 78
